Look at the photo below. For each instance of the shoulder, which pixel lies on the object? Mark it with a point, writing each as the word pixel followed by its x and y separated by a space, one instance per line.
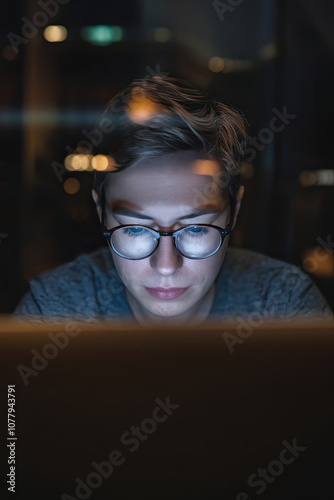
pixel 253 265
pixel 250 281
pixel 89 286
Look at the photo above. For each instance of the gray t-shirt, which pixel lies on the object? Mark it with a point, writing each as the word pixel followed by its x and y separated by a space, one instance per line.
pixel 248 285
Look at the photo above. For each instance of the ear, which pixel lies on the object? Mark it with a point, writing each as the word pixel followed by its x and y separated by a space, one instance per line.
pixel 238 203
pixel 97 204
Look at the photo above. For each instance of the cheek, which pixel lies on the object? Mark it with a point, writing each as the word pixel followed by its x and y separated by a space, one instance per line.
pixel 128 270
pixel 205 271
pixel 214 263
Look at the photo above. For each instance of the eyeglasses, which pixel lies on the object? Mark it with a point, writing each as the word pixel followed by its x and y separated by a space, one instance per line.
pixel 134 242
pixel 197 241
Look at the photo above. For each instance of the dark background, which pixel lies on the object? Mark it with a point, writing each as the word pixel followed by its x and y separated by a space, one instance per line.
pixel 269 54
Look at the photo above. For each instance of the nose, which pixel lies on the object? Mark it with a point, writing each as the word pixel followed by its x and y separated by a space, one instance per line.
pixel 166 259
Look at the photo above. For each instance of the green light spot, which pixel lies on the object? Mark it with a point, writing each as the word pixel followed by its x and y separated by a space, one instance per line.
pixel 102 35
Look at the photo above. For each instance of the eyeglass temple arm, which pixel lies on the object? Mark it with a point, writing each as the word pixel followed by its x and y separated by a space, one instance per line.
pixel 104 229
pixel 230 224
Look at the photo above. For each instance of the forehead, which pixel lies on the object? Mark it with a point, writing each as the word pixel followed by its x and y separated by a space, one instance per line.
pixel 180 180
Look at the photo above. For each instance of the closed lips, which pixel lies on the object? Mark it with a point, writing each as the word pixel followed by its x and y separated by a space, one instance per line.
pixel 166 293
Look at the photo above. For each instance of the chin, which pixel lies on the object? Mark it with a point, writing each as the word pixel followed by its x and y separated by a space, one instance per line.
pixel 168 312
pixel 165 309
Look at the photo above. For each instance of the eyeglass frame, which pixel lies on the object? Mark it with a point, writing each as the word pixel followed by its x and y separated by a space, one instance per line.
pixel 107 233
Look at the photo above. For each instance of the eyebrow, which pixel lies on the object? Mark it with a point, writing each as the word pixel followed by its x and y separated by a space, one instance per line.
pixel 132 213
pixel 198 213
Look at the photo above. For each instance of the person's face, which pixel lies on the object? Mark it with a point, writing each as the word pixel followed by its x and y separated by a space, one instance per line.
pixel 166 194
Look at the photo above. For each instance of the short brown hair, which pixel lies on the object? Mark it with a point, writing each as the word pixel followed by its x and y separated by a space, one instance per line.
pixel 160 115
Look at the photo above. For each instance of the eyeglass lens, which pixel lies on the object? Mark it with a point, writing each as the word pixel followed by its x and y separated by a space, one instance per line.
pixel 137 242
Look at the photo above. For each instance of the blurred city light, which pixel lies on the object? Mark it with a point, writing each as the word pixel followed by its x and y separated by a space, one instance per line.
pixel 323 177
pixel 219 65
pixel 140 109
pixel 103 162
pixel 206 167
pixel 55 33
pixel 216 64
pixel 247 170
pixel 78 162
pixel 71 185
pixel 268 52
pixel 102 34
pixel 161 35
pixel 87 162
pixel 319 262
pixel 8 53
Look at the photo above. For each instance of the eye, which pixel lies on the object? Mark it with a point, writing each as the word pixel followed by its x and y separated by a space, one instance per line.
pixel 134 231
pixel 196 230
